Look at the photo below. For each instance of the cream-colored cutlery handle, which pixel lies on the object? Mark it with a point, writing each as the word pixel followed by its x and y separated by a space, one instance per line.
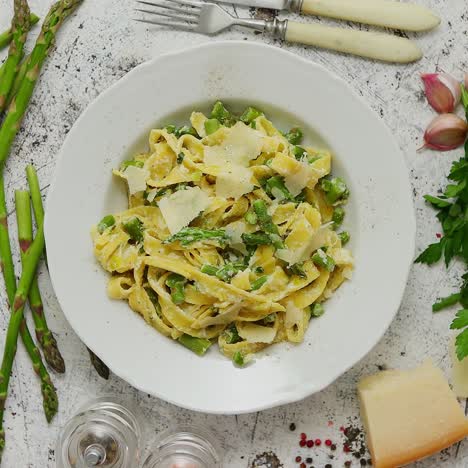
pixel 393 14
pixel 365 44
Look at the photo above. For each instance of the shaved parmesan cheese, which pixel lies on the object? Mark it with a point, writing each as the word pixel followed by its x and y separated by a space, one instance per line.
pixel 233 182
pixel 182 207
pixel 293 315
pixel 459 373
pixel 151 195
pixel 241 145
pixel 253 333
pixel 235 231
pixel 197 119
pixel 303 252
pixel 277 193
pixel 297 181
pixel 136 178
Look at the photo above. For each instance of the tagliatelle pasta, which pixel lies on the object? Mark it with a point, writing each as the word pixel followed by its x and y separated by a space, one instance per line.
pixel 231 234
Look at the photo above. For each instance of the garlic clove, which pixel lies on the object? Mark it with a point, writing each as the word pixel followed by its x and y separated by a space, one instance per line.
pixel 442 91
pixel 445 132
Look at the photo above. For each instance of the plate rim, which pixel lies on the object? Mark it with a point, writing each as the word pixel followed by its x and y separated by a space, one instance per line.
pixel 304 390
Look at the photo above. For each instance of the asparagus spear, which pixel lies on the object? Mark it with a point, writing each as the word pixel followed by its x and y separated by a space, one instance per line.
pixel 100 367
pixel 266 223
pixel 55 18
pixel 18 80
pixel 5 37
pixel 44 335
pixel 14 327
pixel 197 345
pixel 188 235
pixel 19 29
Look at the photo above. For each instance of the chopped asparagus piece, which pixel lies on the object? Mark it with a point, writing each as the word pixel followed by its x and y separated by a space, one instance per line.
pixel 185 130
pixel 338 216
pixel 170 128
pixel 321 259
pixel 177 284
pixel 250 114
pixel 211 125
pixel 154 299
pixel 250 216
pixel 105 223
pixel 256 238
pixel 316 310
pixel 275 186
pixel 269 318
pixel 221 114
pixel 180 158
pixel 131 162
pixel 258 283
pixel 266 223
pixel 226 272
pixel 259 270
pixel 197 345
pixel 188 235
pixel 238 358
pixel 232 335
pixel 209 270
pixel 335 189
pixel 294 136
pixel 297 269
pixel 344 237
pixel 134 228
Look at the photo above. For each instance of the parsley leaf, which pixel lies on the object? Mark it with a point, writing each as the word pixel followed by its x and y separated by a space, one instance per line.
pixel 461 345
pixel 431 255
pixel 437 202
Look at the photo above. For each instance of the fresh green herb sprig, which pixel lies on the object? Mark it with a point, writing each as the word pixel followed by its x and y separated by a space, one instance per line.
pixel 452 207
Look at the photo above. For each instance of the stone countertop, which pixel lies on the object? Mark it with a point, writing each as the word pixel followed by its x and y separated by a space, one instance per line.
pixel 99 45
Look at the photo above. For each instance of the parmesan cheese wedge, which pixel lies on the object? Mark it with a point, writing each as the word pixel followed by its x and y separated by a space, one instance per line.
pixel 181 207
pixel 253 333
pixel 409 415
pixel 136 178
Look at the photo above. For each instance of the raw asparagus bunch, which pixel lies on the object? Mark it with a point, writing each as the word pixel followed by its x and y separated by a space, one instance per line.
pixel 5 37
pixel 29 270
pixel 21 19
pixel 19 29
pixel 25 236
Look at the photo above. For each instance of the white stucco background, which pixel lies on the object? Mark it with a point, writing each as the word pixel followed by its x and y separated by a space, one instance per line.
pixel 96 47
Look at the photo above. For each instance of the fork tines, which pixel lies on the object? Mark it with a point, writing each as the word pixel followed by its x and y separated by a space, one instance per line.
pixel 189 16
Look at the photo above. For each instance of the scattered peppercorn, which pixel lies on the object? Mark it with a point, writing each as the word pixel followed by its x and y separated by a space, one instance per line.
pixel 309 460
pixel 292 427
pixel 302 465
pixel 298 459
pixel 302 443
pixel 369 462
pixel 356 455
pixel 347 463
pixel 328 465
pixel 346 449
pixel 332 447
pixel 318 442
pixel 310 443
pixel 328 443
pixel 363 462
pixel 341 429
pixel 303 436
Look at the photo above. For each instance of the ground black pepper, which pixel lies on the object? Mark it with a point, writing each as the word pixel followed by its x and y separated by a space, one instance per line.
pixel 266 460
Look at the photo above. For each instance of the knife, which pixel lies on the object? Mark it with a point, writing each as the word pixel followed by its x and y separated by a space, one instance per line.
pixel 391 14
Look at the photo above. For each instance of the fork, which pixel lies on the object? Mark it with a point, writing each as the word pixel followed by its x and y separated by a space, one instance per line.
pixel 209 18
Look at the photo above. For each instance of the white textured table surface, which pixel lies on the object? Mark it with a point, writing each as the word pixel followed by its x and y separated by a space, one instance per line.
pixel 98 46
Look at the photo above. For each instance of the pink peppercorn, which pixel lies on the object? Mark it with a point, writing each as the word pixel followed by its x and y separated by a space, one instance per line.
pixel 302 465
pixel 318 442
pixel 302 443
pixel 310 443
pixel 328 442
pixel 298 459
pixel 303 436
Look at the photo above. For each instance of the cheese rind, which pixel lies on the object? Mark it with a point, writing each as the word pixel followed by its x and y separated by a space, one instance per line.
pixel 409 415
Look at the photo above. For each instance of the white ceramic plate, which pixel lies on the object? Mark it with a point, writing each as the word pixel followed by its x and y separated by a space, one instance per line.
pixel 380 218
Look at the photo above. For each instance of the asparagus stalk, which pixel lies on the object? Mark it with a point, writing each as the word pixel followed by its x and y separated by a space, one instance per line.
pixel 18 80
pixel 266 223
pixel 100 367
pixel 197 345
pixel 55 18
pixel 14 328
pixel 6 36
pixel 25 235
pixel 188 235
pixel 19 28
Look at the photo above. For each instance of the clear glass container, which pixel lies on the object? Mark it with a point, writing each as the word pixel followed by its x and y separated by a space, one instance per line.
pixel 184 447
pixel 102 434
